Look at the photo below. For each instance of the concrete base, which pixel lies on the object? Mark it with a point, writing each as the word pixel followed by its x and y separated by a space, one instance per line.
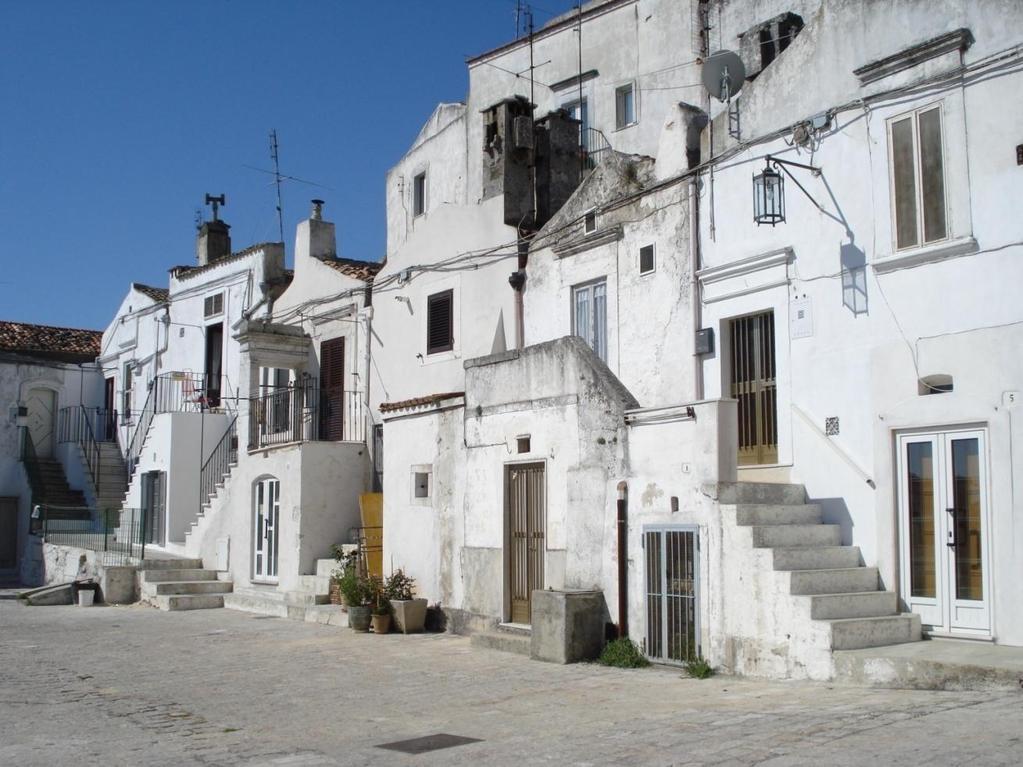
pixel 502 641
pixel 938 664
pixel 58 594
pixel 568 626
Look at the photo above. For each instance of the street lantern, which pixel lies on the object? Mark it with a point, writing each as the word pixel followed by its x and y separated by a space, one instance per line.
pixel 769 190
pixel 769 197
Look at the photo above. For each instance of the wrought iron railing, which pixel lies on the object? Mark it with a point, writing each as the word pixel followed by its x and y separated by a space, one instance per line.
pixel 303 412
pixel 218 465
pixel 593 147
pixel 79 424
pixel 118 536
pixel 138 437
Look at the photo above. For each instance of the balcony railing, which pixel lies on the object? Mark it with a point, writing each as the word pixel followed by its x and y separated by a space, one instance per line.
pixel 593 148
pixel 303 412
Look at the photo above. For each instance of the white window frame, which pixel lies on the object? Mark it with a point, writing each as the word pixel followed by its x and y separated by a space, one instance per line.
pixel 419 201
pixel 620 123
pixel 914 116
pixel 214 311
pixel 591 337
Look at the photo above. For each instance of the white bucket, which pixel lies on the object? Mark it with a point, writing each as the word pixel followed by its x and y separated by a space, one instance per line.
pixel 85 597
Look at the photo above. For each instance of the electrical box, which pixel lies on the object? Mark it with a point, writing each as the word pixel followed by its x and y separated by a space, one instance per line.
pixel 705 341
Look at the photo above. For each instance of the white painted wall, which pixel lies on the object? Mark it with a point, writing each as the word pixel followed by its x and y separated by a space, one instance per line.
pixel 940 309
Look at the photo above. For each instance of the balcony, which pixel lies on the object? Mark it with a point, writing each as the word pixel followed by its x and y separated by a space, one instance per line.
pixel 305 412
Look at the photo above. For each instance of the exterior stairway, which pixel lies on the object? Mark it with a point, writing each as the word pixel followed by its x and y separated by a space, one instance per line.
pixel 181 584
pixel 310 603
pixel 504 637
pixel 109 491
pixel 50 488
pixel 815 597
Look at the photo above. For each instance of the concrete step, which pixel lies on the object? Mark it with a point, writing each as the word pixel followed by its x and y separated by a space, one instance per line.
pixel 503 641
pixel 306 598
pixel 843 580
pixel 854 604
pixel 760 492
pixel 770 536
pixel 261 605
pixel 856 633
pixel 177 575
pixel 187 587
pixel 174 602
pixel 324 567
pixel 778 514
pixel 328 615
pixel 170 564
pixel 815 558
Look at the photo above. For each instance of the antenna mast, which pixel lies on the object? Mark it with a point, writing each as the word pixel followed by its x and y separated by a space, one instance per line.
pixel 277 181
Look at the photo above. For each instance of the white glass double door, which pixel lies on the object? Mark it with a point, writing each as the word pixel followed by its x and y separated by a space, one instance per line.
pixel 265 530
pixel 944 530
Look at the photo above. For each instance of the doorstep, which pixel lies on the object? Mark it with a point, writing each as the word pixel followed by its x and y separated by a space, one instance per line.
pixel 933 664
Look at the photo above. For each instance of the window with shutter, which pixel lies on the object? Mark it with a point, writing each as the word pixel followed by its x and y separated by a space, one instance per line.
pixel 918 178
pixel 332 381
pixel 213 305
pixel 440 329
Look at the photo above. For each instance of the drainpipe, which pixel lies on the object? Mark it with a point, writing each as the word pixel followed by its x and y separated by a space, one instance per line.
pixel 623 559
pixel 694 282
pixel 517 280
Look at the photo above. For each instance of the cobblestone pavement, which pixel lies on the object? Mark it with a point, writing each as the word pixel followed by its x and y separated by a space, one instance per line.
pixel 134 686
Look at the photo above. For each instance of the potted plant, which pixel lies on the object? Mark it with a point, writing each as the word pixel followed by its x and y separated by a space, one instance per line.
pixel 358 592
pixel 409 613
pixel 347 566
pixel 381 608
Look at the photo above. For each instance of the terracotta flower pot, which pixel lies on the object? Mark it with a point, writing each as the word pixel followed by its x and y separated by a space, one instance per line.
pixel 381 623
pixel 335 593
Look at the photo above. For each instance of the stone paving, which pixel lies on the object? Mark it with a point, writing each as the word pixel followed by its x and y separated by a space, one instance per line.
pixel 135 686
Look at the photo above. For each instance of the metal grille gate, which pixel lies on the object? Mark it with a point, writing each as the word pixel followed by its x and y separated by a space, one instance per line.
pixel 754 385
pixel 672 614
pixel 526 534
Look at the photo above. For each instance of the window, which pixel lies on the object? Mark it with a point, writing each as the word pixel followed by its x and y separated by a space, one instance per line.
pixel 625 106
pixel 646 259
pixel 523 444
pixel 918 178
pixel 126 392
pixel 419 194
pixel 213 305
pixel 440 332
pixel 589 306
pixel 577 110
pixel 590 222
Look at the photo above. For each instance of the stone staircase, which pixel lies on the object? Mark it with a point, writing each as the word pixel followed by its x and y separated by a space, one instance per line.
pixel 181 584
pixel 811 593
pixel 194 534
pixel 110 491
pixel 310 602
pixel 50 488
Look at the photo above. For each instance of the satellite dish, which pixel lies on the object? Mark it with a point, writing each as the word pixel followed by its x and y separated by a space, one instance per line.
pixel 723 74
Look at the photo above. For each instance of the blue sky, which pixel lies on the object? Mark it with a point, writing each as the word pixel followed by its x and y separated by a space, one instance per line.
pixel 119 116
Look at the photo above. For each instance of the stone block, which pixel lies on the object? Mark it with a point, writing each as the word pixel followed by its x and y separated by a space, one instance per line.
pixel 117 584
pixel 568 625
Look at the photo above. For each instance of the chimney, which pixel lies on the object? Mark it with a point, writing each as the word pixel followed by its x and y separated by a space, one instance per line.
pixel 213 241
pixel 315 237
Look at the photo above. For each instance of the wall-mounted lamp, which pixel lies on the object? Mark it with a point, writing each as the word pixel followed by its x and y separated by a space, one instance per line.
pixel 769 190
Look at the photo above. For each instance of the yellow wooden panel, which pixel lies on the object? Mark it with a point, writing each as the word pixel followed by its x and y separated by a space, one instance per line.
pixel 371 508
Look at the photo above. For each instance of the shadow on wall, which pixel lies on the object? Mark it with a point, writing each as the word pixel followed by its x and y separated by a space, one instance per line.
pixel 854 278
pixel 835 512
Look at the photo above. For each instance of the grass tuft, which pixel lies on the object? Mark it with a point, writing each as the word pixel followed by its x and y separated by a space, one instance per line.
pixel 622 653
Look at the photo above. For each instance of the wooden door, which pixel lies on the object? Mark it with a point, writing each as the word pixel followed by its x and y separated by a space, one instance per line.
pixel 332 382
pixel 109 410
pixel 42 415
pixel 527 526
pixel 8 534
pixel 753 384
pixel 214 363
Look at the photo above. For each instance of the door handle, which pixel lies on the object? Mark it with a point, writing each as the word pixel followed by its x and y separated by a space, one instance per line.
pixel 951 543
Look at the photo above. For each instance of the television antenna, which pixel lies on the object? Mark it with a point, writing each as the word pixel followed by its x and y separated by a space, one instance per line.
pixel 723 77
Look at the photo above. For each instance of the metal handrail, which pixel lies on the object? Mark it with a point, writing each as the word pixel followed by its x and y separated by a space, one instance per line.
pixel 218 465
pixel 30 460
pixel 138 437
pixel 75 425
pixel 593 146
pixel 304 412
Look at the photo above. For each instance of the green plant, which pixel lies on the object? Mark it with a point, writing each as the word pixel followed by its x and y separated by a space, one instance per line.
pixel 356 589
pixel 346 561
pixel 698 668
pixel 622 653
pixel 378 595
pixel 398 585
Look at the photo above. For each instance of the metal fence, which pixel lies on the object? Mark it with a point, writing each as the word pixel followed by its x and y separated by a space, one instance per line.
pixel 304 412
pixel 118 536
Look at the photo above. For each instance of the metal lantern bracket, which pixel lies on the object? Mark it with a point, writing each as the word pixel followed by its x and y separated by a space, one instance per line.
pixel 781 165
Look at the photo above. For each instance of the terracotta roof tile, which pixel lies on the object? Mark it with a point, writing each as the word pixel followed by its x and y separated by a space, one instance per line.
pixel 429 399
pixel 160 295
pixel 51 342
pixel 350 267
